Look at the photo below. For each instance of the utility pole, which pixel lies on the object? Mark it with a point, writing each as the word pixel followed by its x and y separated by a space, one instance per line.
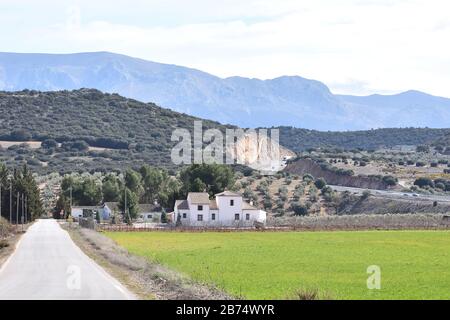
pixel 125 209
pixel 10 201
pixel 70 201
pixel 17 211
pixel 26 209
pixel 22 217
pixel 0 199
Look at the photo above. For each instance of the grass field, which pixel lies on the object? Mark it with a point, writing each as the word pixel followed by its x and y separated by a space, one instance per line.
pixel 414 264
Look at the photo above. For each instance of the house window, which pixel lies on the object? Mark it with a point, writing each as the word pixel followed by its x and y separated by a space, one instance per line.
pixel 237 217
pixel 184 215
pixel 231 203
pixel 200 217
pixel 200 208
pixel 213 216
pixel 247 217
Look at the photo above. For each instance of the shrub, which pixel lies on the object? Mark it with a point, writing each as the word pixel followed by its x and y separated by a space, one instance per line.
pixel 423 149
pixel 3 244
pixel 390 180
pixel 280 204
pixel 267 203
pixel 320 183
pixel 365 195
pixel 424 182
pixel 440 185
pixel 299 209
pixel 20 135
pixel 248 193
pixel 49 143
pixel 140 147
pixel 78 145
pixel 305 295
pixel 420 164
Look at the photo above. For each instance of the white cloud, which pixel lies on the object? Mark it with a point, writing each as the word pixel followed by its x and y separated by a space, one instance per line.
pixel 355 46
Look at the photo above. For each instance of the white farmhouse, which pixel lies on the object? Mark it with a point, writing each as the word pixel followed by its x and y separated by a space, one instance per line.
pixel 227 209
pixel 83 212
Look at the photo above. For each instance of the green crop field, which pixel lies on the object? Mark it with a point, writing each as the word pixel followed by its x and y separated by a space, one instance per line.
pixel 414 264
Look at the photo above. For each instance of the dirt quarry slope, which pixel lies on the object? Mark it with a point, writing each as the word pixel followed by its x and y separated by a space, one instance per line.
pixel 308 166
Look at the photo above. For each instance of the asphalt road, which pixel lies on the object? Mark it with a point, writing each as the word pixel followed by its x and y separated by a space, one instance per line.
pixel 47 265
pixel 394 194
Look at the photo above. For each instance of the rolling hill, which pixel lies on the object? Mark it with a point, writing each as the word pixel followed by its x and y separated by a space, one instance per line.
pixel 87 130
pixel 284 101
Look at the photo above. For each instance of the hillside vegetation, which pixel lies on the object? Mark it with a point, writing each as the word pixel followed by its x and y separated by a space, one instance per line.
pixel 298 139
pixel 123 132
pixel 87 130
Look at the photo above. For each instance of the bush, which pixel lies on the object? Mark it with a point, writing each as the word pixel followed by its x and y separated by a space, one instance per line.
pixel 267 203
pixel 440 185
pixel 424 182
pixel 49 144
pixel 390 180
pixel 20 135
pixel 140 147
pixel 420 164
pixel 365 195
pixel 78 145
pixel 3 244
pixel 248 193
pixel 280 204
pixel 320 183
pixel 299 209
pixel 423 149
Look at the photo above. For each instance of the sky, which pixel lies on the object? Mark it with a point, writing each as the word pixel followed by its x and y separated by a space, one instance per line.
pixel 354 46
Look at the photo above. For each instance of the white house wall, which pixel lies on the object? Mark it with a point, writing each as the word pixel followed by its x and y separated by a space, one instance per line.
pixel 77 213
pixel 225 215
pixel 227 212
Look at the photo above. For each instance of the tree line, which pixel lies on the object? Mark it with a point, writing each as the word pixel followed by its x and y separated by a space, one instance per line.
pixel 19 195
pixel 147 185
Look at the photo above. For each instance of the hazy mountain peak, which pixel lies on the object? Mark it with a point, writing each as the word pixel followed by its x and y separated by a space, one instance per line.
pixel 286 100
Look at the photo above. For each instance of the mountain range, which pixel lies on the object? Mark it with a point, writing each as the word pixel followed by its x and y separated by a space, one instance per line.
pixel 284 101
